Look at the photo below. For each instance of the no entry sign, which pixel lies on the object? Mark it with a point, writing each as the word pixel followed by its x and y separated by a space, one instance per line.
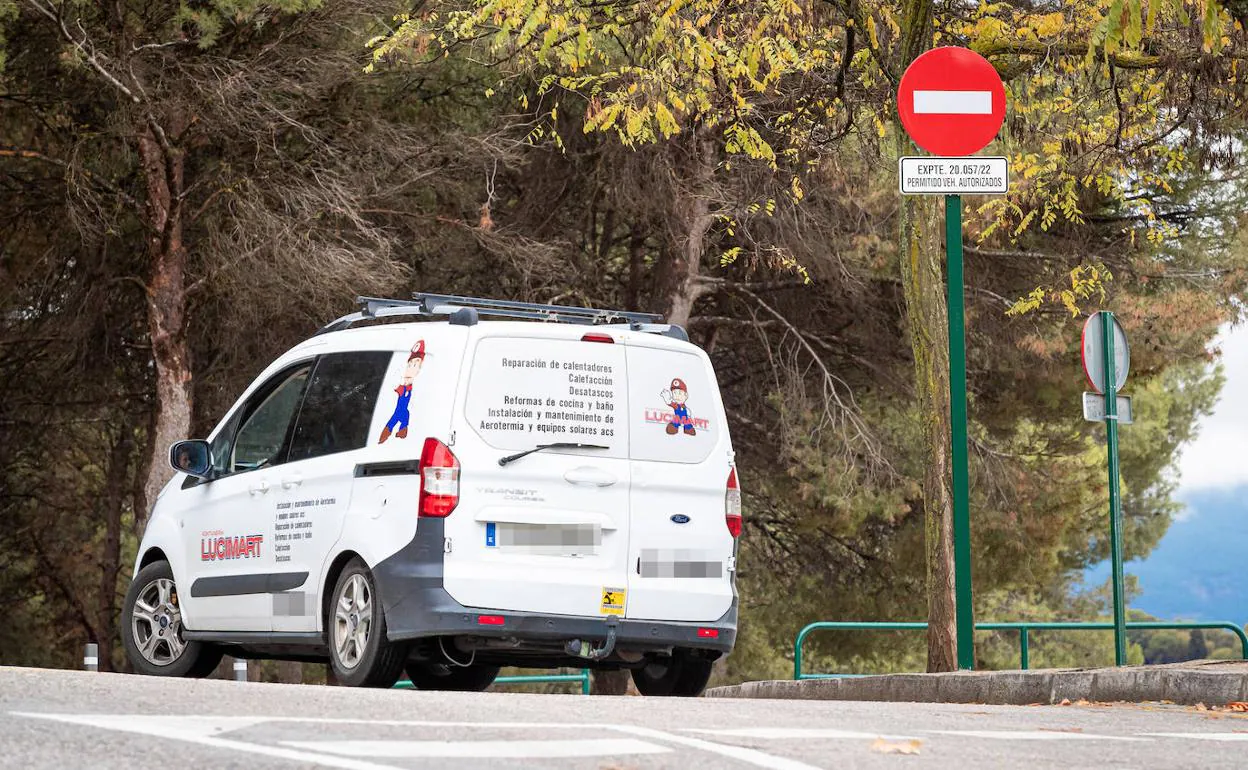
pixel 951 101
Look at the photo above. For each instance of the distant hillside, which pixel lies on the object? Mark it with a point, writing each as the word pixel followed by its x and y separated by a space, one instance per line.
pixel 1198 571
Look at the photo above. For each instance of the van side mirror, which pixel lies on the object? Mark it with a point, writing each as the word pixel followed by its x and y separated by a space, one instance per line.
pixel 193 457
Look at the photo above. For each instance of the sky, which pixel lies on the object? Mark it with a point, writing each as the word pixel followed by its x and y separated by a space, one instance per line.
pixel 1218 458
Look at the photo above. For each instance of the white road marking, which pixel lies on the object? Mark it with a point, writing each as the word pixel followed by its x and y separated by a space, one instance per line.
pixel 1200 736
pixel 530 749
pixel 172 726
pixel 1034 735
pixel 196 729
pixel 182 729
pixel 783 733
pixel 739 753
pixel 953 102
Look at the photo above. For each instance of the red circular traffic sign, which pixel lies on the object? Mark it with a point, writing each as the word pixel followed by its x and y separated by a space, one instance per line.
pixel 951 101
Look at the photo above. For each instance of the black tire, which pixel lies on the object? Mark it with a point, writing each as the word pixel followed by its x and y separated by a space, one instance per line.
pixel 681 676
pixel 694 674
pixel 437 676
pixel 160 632
pixel 374 661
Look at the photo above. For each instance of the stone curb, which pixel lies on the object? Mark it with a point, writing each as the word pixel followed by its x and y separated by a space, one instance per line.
pixel 1213 683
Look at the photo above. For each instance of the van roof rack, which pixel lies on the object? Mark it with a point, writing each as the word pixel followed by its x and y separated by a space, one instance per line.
pixel 466 310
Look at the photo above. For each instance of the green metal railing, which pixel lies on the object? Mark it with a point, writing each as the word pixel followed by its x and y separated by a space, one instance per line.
pixel 583 678
pixel 1024 630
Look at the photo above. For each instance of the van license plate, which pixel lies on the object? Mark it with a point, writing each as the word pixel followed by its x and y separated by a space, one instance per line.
pixel 544 539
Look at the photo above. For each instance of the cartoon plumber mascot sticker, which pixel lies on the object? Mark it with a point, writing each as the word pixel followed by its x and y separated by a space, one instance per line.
pixel 676 398
pixel 402 408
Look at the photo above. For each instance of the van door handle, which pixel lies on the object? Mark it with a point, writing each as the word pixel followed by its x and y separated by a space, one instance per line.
pixel 259 487
pixel 290 482
pixel 590 476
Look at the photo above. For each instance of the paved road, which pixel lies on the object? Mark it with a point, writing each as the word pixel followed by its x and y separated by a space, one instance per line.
pixel 75 719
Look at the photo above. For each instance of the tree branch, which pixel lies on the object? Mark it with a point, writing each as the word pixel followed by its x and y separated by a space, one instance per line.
pixel 1127 60
pixel 81 45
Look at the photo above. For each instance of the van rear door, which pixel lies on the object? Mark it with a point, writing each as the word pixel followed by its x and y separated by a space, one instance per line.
pixel 681 549
pixel 547 532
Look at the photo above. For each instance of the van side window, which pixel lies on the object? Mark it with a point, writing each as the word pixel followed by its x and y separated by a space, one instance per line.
pixel 264 435
pixel 338 409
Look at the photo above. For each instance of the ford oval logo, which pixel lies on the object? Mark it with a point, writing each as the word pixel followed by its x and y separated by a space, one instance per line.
pixel 680 518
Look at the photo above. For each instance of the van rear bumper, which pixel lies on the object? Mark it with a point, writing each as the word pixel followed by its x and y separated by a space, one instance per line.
pixel 418 606
pixel 416 622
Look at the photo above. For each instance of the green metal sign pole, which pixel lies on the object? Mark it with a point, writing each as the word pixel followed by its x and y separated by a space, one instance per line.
pixel 1115 498
pixel 957 419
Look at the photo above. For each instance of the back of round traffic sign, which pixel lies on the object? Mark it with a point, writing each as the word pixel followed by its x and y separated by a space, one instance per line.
pixel 1093 348
pixel 951 101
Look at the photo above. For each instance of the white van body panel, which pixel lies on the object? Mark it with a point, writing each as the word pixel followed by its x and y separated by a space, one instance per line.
pixel 552 527
pixel 600 513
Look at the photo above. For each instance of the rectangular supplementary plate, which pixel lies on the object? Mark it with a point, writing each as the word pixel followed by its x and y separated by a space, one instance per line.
pixel 953 102
pixel 1094 408
pixel 975 175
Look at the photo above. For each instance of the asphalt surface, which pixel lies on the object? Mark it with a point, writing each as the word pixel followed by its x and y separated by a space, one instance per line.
pixel 76 719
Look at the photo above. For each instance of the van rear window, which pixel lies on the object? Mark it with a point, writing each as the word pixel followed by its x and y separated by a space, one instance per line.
pixel 528 391
pixel 675 412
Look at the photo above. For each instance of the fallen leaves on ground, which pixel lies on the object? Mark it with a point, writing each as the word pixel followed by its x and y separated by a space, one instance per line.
pixel 896 747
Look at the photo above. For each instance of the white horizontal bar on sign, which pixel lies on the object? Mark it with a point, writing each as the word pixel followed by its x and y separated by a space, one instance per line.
pixel 953 102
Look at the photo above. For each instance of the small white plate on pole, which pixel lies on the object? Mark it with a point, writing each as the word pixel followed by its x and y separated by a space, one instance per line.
pixel 977 175
pixel 1094 408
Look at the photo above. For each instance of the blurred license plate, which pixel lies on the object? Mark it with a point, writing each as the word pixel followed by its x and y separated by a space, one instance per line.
pixel 678 563
pixel 544 539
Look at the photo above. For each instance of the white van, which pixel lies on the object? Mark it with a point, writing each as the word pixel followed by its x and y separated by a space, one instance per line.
pixel 450 496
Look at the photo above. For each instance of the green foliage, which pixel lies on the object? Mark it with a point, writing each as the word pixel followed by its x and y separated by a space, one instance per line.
pixel 645 72
pixel 207 20
pixel 1086 282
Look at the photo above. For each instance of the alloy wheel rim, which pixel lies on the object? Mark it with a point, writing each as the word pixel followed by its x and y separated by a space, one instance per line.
pixel 156 623
pixel 353 621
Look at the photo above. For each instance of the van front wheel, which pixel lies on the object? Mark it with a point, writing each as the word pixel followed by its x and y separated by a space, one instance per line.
pixel 151 628
pixel 359 651
pixel 682 677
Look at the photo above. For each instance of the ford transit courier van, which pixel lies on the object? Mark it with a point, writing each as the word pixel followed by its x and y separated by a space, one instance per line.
pixel 452 495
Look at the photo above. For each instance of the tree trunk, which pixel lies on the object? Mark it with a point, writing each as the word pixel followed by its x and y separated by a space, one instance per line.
pixel 290 671
pixel 166 310
pixel 681 266
pixel 609 682
pixel 927 316
pixel 110 555
pixel 636 264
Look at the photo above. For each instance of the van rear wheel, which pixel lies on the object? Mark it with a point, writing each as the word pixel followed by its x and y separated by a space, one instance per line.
pixel 436 676
pixel 680 676
pixel 359 651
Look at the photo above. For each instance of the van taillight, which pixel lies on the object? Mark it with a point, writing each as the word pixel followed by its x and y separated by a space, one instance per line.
pixel 439 479
pixel 591 337
pixel 732 504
